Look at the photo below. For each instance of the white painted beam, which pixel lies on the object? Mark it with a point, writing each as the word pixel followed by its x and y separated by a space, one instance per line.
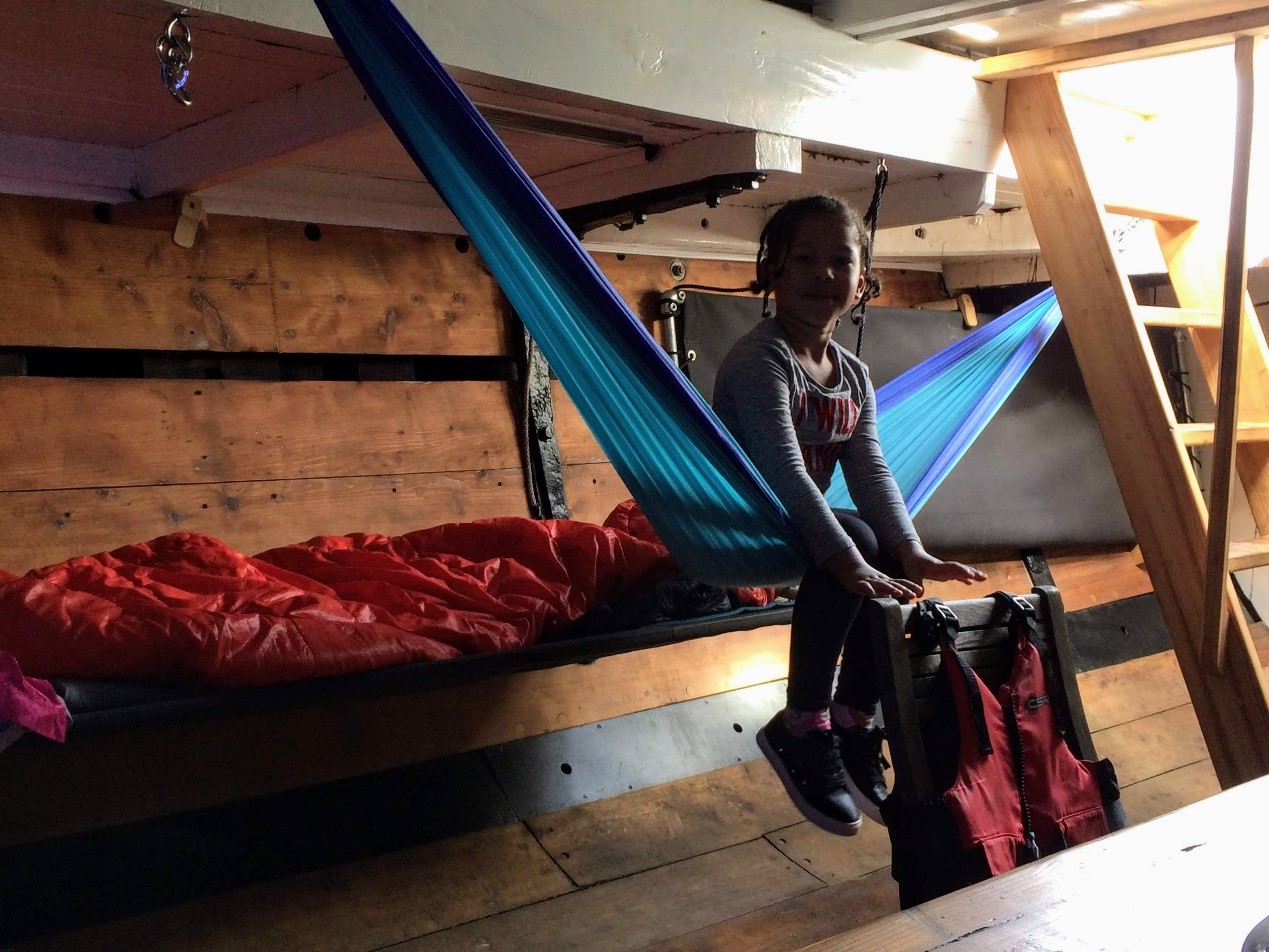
pixel 260 135
pixel 744 63
pixel 993 272
pixel 729 232
pixel 54 168
pixel 985 249
pixel 991 235
pixel 936 198
pixel 629 172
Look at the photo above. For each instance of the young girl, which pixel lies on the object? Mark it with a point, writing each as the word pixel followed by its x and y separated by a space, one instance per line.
pixel 799 403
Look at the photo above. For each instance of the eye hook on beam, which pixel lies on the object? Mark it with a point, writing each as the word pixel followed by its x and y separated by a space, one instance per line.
pixel 175 51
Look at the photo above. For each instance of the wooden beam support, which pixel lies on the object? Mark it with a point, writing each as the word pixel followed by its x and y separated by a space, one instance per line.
pixel 630 172
pixel 1007 234
pixel 1140 44
pixel 52 168
pixel 1178 317
pixel 960 275
pixel 947 196
pixel 255 137
pixel 958 302
pixel 1216 576
pixel 877 20
pixel 332 198
pixel 1160 491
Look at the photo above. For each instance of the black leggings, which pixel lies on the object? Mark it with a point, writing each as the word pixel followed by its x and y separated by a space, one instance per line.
pixel 824 629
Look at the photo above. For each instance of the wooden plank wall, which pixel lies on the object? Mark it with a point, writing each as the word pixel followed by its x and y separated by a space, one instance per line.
pixel 89 464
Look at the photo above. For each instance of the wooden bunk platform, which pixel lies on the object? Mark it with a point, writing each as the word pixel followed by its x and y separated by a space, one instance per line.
pixel 714 861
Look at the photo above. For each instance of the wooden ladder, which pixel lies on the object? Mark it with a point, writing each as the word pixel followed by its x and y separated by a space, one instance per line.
pixel 1147 446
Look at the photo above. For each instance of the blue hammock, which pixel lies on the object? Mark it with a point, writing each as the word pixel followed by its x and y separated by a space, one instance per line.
pixel 929 415
pixel 720 520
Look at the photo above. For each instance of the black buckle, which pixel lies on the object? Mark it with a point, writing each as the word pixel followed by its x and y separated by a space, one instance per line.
pixel 1019 605
pixel 934 617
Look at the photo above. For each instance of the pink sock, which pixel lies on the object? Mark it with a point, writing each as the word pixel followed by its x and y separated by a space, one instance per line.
pixel 801 723
pixel 843 715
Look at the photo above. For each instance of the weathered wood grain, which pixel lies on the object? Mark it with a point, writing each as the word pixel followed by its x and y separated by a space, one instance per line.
pixel 1165 792
pixel 634 912
pixel 40 527
pixel 67 280
pixel 1152 745
pixel 356 907
pixel 832 858
pixel 1096 577
pixel 1131 690
pixel 112 433
pixel 185 766
pixel 800 921
pixel 595 842
pixel 593 491
pixel 370 291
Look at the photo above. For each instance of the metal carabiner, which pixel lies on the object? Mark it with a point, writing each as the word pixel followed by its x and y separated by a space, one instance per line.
pixel 175 51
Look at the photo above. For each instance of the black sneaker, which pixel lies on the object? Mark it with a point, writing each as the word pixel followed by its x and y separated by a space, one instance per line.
pixel 810 767
pixel 865 767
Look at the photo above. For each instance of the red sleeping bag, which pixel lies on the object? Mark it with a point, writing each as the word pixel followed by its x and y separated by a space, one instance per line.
pixel 187 607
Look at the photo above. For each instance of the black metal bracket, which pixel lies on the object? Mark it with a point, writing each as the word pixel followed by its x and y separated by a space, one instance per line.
pixel 539 442
pixel 630 210
pixel 1037 567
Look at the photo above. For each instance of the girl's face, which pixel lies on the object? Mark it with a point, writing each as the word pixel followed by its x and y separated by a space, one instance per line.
pixel 822 274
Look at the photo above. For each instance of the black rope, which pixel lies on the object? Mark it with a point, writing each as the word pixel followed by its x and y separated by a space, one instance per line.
pixel 872 287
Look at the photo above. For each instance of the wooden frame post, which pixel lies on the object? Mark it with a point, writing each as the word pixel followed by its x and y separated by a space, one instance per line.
pixel 1160 491
pixel 1215 607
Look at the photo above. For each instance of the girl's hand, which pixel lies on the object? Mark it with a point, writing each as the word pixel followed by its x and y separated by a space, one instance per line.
pixel 919 565
pixel 857 576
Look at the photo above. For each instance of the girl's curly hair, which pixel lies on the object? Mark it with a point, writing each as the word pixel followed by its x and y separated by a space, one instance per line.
pixel 773 243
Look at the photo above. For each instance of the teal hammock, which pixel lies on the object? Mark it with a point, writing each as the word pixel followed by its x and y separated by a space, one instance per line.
pixel 717 516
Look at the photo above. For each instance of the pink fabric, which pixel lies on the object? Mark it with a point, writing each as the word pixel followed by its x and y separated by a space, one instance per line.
pixel 29 702
pixel 801 723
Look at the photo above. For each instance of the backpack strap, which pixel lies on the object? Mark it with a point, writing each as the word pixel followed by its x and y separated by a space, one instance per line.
pixel 1023 619
pixel 937 624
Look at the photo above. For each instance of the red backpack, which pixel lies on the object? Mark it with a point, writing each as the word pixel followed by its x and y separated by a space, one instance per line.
pixel 1018 793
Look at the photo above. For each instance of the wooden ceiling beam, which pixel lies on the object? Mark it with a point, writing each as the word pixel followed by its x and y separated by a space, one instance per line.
pixel 54 168
pixel 745 64
pixel 1139 44
pixel 631 171
pixel 258 136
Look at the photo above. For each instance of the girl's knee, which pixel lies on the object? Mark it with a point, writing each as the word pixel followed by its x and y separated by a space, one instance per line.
pixel 861 533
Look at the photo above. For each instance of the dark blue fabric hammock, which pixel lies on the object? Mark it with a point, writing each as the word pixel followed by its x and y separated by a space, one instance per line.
pixel 720 520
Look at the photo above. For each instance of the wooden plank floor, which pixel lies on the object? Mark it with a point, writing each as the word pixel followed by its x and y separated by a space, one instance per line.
pixel 718 861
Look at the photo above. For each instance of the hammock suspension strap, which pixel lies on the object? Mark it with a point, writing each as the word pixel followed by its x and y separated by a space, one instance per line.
pixel 872 286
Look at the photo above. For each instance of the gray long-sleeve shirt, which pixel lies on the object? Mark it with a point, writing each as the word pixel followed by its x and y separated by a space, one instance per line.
pixel 796 430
